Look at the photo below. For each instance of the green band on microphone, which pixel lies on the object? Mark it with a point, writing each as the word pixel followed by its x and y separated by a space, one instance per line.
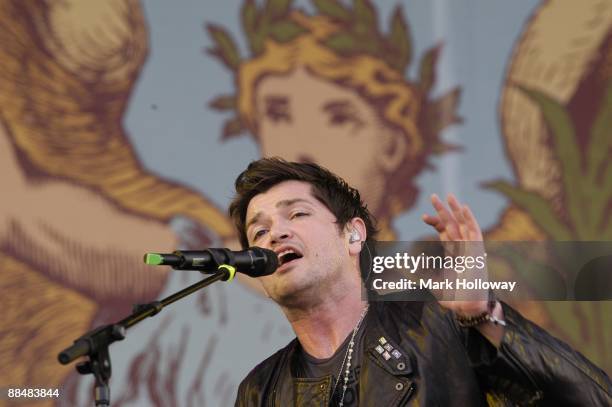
pixel 230 269
pixel 153 259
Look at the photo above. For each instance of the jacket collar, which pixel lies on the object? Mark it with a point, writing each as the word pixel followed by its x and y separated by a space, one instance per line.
pixel 385 364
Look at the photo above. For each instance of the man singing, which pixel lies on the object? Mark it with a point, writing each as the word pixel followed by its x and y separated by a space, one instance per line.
pixel 383 353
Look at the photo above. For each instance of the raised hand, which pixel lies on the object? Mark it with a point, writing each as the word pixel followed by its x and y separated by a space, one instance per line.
pixel 456 223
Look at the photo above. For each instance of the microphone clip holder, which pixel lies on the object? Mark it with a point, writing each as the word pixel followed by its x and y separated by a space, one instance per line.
pixel 99 363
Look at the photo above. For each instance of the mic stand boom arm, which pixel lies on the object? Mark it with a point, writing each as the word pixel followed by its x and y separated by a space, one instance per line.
pixel 94 344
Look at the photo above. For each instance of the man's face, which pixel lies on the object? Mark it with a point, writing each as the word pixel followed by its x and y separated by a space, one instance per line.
pixel 313 253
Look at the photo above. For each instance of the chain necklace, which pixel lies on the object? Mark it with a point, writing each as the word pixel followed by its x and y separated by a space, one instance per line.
pixel 347 358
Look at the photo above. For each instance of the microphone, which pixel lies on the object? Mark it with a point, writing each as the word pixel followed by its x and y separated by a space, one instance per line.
pixel 254 261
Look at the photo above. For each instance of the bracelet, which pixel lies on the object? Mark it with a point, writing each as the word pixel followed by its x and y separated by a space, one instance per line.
pixel 486 316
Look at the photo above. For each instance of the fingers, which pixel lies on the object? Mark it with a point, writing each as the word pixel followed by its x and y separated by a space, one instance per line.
pixel 474 232
pixel 438 225
pixel 433 221
pixel 455 206
pixel 445 224
pixel 458 223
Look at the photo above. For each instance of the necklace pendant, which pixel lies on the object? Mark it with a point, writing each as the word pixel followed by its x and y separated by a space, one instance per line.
pixel 346 363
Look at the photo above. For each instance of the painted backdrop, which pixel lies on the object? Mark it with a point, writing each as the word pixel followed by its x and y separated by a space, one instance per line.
pixel 124 123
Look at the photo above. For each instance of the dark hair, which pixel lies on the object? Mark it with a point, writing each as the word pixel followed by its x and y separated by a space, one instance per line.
pixel 332 191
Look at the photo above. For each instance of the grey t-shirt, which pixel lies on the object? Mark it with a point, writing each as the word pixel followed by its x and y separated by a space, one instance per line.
pixel 317 368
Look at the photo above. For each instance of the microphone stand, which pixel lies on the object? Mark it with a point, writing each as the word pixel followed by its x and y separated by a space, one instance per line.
pixel 94 344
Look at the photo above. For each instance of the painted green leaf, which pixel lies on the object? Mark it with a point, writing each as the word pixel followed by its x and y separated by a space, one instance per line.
pixel 249 17
pixel 342 43
pixel 232 128
pixel 539 209
pixel 286 30
pixel 599 152
pixel 277 8
pixel 370 45
pixel 225 48
pixel 401 40
pixel 603 198
pixel 444 148
pixel 442 112
pixel 365 13
pixel 567 153
pixel 257 41
pixel 539 275
pixel 224 102
pixel 599 162
pixel 427 69
pixel 333 9
pixel 359 29
pixel 263 29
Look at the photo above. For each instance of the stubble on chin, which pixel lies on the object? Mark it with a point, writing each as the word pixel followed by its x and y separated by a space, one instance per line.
pixel 295 294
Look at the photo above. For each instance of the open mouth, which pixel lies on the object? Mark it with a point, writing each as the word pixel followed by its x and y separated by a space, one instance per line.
pixel 287 256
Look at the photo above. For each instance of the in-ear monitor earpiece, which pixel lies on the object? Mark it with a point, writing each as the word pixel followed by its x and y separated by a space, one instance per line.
pixel 355 236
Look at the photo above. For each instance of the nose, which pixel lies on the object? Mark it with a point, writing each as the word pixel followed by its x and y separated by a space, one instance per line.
pixel 279 232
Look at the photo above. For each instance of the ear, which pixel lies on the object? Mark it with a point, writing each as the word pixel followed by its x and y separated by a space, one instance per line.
pixel 393 150
pixel 356 226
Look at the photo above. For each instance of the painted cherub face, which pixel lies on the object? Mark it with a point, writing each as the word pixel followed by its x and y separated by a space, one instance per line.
pixel 302 117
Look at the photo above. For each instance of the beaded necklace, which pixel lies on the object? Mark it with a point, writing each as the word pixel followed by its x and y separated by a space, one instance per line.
pixel 348 356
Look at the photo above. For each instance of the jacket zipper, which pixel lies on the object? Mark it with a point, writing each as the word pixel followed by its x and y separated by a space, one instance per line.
pixel 272 400
pixel 408 394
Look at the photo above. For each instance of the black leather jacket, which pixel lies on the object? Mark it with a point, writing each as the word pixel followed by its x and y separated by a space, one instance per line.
pixel 442 364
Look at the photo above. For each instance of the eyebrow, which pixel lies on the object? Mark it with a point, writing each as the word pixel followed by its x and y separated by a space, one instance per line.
pixel 338 105
pixel 276 100
pixel 283 203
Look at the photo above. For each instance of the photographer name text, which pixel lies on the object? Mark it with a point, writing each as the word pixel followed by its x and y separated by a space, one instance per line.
pixel 446 284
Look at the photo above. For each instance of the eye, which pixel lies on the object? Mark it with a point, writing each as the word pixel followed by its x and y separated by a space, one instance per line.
pixel 341 118
pixel 258 234
pixel 277 115
pixel 299 215
pixel 277 109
